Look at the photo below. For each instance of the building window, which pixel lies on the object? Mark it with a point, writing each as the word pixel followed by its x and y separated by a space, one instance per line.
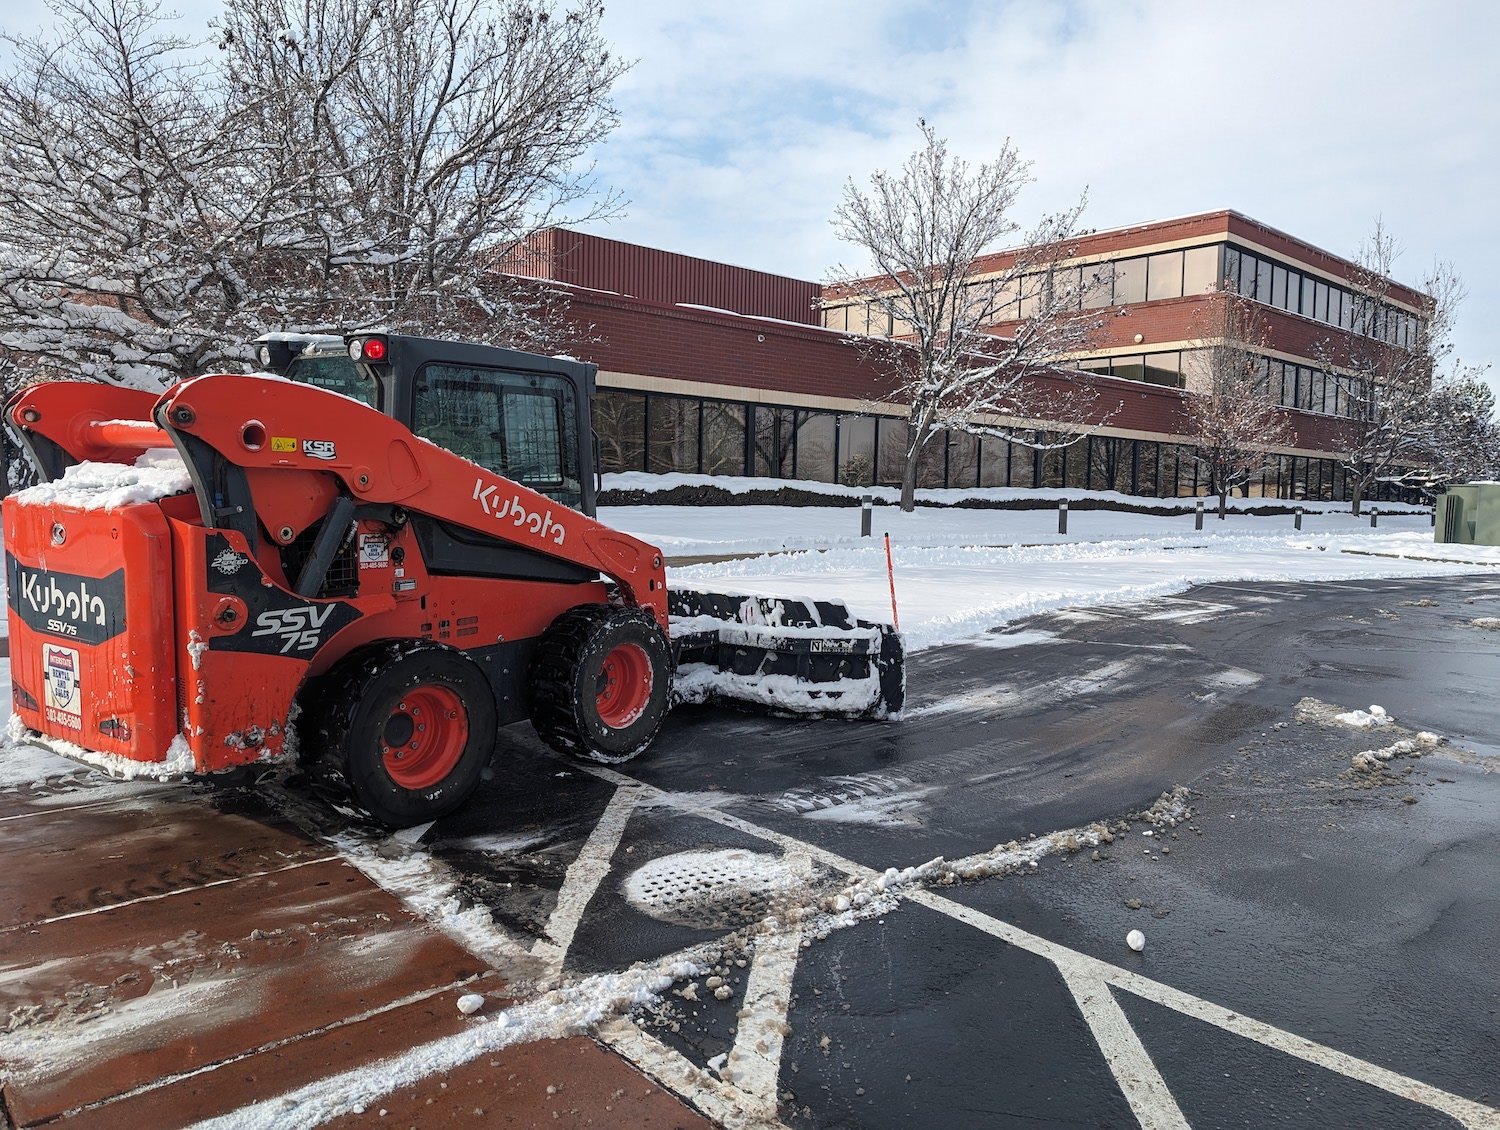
pixel 817 443
pixel 1200 270
pixel 620 423
pixel 723 431
pixel 857 451
pixel 1164 276
pixel 672 435
pixel 1130 281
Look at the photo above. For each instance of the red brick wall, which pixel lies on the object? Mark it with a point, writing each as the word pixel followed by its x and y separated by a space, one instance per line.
pixel 664 341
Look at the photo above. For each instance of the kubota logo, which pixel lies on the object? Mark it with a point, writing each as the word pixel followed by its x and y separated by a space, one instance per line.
pixel 70 601
pixel 299 629
pixel 502 507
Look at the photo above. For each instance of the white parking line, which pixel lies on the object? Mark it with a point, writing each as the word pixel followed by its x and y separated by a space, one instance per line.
pixel 1085 970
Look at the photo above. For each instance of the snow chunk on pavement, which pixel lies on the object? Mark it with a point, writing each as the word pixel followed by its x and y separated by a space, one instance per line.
pixel 1365 719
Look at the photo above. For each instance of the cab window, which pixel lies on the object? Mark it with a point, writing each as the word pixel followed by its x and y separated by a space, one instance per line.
pixel 337 374
pixel 523 426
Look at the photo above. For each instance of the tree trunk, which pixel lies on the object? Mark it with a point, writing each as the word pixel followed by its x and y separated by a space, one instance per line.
pixel 1358 493
pixel 909 482
pixel 1223 502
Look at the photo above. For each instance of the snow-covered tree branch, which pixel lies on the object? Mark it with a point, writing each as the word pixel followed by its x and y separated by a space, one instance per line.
pixel 1232 410
pixel 1389 367
pixel 336 165
pixel 924 228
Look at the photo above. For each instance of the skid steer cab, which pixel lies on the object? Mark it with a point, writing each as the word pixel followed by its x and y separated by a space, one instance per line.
pixel 374 555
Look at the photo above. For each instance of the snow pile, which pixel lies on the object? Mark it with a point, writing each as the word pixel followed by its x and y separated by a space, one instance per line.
pixel 870 897
pixel 26 764
pixel 948 593
pixel 109 486
pixel 1365 719
pixel 1372 760
pixel 176 761
pixel 572 1010
pixel 1488 623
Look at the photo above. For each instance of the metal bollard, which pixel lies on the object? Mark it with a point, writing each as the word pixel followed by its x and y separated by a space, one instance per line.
pixel 1297 519
pixel 1434 515
pixel 1374 517
pixel 865 504
pixel 1198 518
pixel 1062 516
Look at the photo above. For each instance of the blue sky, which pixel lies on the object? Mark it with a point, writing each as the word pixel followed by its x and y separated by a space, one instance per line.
pixel 741 122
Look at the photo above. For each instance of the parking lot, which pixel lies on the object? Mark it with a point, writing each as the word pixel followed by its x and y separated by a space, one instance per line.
pixel 873 924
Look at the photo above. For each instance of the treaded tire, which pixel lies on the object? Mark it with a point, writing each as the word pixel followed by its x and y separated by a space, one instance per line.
pixel 403 730
pixel 599 682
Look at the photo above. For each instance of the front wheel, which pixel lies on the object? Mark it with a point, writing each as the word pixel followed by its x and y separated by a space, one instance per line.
pixel 599 682
pixel 409 729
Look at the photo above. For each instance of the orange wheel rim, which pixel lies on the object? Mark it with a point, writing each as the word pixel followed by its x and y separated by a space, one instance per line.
pixel 622 690
pixel 424 737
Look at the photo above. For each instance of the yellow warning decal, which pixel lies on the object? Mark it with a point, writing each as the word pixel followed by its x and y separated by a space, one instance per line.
pixel 283 443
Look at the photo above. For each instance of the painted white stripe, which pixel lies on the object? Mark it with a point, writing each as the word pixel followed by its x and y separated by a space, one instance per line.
pixel 169 894
pixel 1466 1111
pixel 1142 1085
pixel 584 876
pixel 755 1061
pixel 723 1102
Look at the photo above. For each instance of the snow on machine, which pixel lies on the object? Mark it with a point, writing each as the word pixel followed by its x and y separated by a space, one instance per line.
pixel 382 555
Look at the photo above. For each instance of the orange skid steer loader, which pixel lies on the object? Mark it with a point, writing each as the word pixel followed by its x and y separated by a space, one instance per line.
pixel 381 552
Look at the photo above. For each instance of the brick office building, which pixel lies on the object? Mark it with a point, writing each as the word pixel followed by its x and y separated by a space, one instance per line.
pixel 706 367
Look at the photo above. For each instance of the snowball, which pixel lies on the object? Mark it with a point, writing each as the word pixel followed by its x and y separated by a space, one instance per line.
pixel 1136 940
pixel 470 1003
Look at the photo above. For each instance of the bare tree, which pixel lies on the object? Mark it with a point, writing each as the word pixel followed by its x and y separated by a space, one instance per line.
pixel 1386 365
pixel 337 165
pixel 924 228
pixel 432 136
pixel 124 252
pixel 1232 410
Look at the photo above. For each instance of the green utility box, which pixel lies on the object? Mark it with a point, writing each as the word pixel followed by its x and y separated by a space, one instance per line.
pixel 1469 514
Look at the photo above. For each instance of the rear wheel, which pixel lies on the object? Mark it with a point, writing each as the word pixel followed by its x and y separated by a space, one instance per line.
pixel 599 682
pixel 407 729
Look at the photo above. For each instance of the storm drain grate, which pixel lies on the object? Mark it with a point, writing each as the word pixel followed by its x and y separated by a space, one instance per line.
pixel 710 889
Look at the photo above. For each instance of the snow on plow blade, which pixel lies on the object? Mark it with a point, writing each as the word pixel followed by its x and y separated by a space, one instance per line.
pixel 808 656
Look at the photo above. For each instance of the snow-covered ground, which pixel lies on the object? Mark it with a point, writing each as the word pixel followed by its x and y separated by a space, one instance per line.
pixel 959 572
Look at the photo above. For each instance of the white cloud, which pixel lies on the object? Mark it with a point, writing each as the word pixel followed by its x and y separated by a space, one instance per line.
pixel 740 122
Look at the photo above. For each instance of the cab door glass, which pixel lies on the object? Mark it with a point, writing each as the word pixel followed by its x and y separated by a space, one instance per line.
pixel 523 426
pixel 337 374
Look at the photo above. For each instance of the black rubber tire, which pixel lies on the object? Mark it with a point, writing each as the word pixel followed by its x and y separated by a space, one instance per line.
pixel 567 676
pixel 352 710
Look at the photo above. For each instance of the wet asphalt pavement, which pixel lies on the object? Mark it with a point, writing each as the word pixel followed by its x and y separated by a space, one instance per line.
pixel 1320 942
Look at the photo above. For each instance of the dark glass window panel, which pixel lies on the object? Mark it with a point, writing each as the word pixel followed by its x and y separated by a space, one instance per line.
pixel 1263 292
pixel 620 424
pixel 1163 369
pixel 1278 286
pixel 723 438
pixel 963 459
pixel 672 440
pixel 1132 367
pixel 815 446
pixel 857 450
pixel 890 455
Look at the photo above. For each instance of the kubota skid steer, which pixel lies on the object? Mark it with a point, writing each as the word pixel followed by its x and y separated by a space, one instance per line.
pixel 387 553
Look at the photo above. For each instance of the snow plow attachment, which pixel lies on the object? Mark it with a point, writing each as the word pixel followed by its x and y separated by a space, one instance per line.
pixel 804 656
